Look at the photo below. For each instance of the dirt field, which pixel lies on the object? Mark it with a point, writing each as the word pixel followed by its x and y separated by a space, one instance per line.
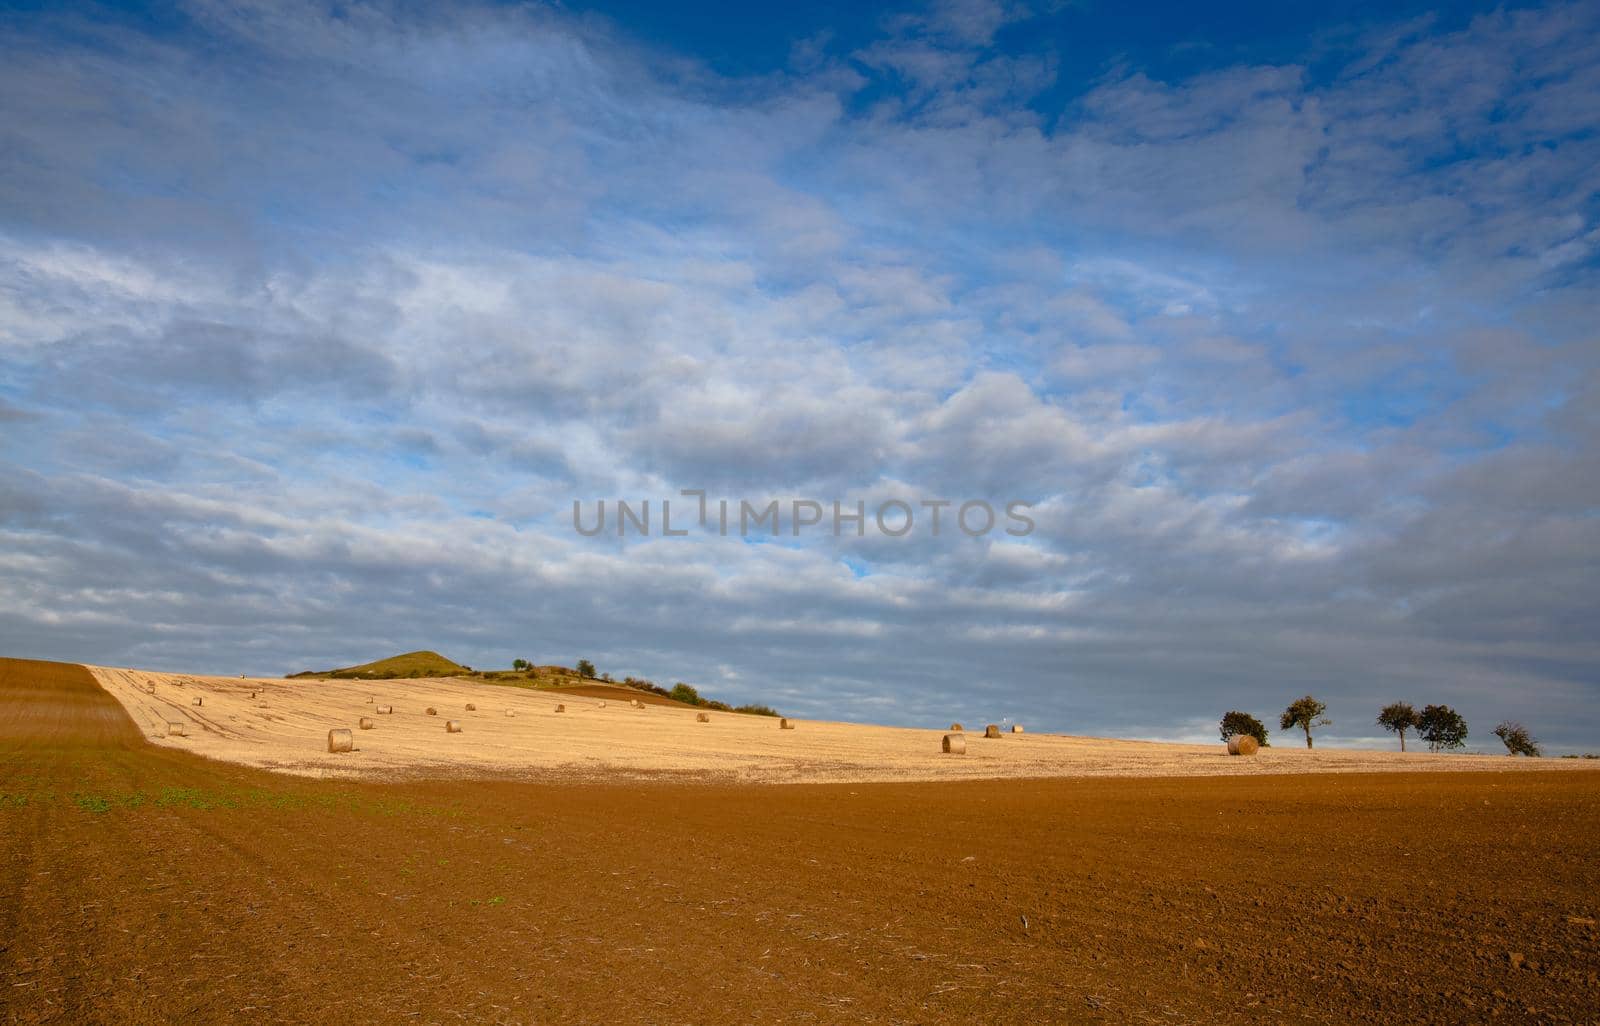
pixel 285 727
pixel 142 884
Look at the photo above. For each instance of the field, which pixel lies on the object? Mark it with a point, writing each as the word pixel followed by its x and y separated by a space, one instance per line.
pixel 148 883
pixel 284 727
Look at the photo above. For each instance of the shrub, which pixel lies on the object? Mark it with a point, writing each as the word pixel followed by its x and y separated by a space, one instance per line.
pixel 1517 739
pixel 585 668
pixel 1235 724
pixel 684 693
pixel 756 710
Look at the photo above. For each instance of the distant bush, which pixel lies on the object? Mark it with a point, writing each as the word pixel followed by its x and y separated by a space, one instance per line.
pixel 1241 724
pixel 641 684
pixel 688 694
pixel 585 668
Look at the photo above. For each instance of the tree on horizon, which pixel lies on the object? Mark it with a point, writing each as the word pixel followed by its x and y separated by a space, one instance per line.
pixel 1305 713
pixel 1399 717
pixel 1442 727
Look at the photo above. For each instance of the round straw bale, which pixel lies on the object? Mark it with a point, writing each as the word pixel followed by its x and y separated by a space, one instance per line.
pixel 432 711
pixel 366 723
pixel 340 740
pixel 384 709
pixel 471 707
pixel 198 700
pixel 701 718
pixel 511 712
pixel 1242 744
pixel 177 730
pixel 636 703
pixel 1016 728
pixel 452 726
pixel 369 699
pixel 955 744
pixel 784 724
pixel 602 703
pixel 252 694
pixel 957 727
pixel 561 708
pixel 992 730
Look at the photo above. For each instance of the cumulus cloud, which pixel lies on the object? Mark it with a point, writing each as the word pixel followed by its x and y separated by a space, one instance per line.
pixel 313 324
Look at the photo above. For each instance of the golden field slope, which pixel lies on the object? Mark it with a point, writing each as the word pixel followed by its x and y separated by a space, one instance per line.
pixel 285 728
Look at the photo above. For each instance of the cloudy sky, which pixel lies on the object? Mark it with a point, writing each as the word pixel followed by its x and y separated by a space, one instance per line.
pixel 315 320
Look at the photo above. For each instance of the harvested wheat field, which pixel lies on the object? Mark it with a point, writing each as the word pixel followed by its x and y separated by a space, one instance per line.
pixel 518 732
pixel 143 883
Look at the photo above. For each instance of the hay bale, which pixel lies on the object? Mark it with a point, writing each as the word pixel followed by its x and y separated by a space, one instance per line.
pixel 602 703
pixel 561 708
pixel 370 699
pixel 384 709
pixel 636 703
pixel 1016 728
pixel 452 726
pixel 432 711
pixel 957 727
pixel 471 707
pixel 198 700
pixel 1242 744
pixel 701 718
pixel 992 730
pixel 955 744
pixel 511 712
pixel 177 730
pixel 784 724
pixel 340 740
pixel 252 694
pixel 366 723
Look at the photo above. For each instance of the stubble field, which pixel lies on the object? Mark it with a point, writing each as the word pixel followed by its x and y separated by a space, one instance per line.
pixel 283 725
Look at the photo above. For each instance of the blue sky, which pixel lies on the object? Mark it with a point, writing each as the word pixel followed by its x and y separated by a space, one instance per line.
pixel 314 322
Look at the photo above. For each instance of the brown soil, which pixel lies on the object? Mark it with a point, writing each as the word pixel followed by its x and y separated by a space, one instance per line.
pixel 142 883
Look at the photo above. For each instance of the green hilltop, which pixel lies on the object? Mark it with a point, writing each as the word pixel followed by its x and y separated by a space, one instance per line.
pixel 412 664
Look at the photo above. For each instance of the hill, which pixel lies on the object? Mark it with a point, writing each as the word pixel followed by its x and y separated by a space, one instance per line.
pixel 412 664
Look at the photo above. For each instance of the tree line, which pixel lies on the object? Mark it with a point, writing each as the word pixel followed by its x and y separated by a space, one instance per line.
pixel 1440 726
pixel 688 694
